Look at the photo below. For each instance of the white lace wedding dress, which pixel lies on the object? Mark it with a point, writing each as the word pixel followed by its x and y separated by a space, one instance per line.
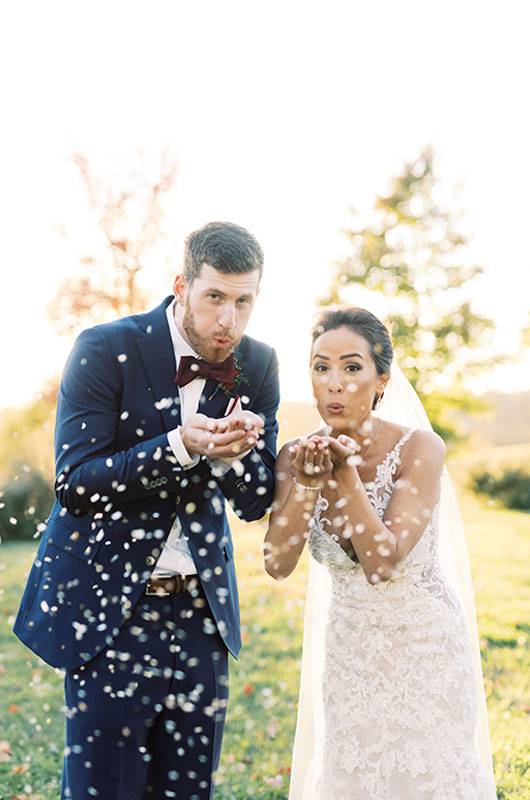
pixel 398 690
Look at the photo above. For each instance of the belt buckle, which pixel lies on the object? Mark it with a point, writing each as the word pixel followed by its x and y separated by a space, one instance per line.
pixel 159 592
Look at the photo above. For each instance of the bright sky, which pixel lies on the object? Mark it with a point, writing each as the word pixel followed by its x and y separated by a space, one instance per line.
pixel 282 115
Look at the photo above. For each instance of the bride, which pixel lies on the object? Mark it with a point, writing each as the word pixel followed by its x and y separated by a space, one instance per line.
pixel 391 700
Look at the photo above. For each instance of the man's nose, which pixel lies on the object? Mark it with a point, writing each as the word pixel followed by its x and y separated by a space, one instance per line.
pixel 227 318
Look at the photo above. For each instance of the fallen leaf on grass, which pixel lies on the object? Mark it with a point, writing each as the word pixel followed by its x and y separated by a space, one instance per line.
pixel 19 769
pixel 5 751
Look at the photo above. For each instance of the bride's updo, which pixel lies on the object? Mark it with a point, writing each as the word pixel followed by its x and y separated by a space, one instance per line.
pixel 366 325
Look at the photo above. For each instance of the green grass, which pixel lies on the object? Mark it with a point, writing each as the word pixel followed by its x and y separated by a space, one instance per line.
pixel 264 682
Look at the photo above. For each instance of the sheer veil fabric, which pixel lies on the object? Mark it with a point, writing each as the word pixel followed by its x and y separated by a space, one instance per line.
pixel 401 405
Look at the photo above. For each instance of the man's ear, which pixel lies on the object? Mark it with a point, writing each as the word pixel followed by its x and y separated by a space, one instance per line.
pixel 180 287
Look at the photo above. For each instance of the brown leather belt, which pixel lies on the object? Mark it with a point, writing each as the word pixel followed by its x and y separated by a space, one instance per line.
pixel 173 584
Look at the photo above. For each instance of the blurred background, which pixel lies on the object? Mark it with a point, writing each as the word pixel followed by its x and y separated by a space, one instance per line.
pixel 379 152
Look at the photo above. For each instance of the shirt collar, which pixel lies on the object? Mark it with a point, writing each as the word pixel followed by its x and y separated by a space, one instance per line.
pixel 180 345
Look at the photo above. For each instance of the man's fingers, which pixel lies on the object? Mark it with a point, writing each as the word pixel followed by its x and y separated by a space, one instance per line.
pixel 235 450
pixel 225 439
pixel 236 423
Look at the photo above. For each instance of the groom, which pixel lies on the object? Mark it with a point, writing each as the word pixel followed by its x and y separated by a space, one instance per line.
pixel 161 417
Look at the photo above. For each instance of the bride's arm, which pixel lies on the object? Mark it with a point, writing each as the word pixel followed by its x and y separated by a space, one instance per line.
pixel 294 504
pixel 381 544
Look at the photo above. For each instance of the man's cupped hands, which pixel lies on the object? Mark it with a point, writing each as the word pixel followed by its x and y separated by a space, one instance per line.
pixel 228 438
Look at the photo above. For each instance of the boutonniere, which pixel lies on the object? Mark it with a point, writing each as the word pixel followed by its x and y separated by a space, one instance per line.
pixel 239 377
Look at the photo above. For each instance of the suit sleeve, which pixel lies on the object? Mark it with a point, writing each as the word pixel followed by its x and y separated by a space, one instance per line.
pixel 91 475
pixel 249 485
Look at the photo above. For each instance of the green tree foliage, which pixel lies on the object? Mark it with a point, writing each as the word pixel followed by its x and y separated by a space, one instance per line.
pixel 25 502
pixel 26 465
pixel 26 435
pixel 511 487
pixel 413 252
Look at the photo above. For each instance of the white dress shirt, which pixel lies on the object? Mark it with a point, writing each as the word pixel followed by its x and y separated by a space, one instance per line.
pixel 176 558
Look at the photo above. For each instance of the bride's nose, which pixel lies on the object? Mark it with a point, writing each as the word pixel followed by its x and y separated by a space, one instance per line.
pixel 335 383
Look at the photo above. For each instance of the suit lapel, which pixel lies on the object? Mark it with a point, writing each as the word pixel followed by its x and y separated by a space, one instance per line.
pixel 158 355
pixel 214 400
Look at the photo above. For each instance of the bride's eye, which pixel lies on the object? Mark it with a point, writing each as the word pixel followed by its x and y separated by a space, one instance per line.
pixel 353 368
pixel 320 368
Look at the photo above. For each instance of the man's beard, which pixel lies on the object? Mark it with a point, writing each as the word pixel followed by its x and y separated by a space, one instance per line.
pixel 204 346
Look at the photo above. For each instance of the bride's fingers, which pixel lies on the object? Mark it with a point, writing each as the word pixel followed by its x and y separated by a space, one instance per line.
pixel 327 463
pixel 309 457
pixel 347 441
pixel 298 461
pixel 319 458
pixel 340 449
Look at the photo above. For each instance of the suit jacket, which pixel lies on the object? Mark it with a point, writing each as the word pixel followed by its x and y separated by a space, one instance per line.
pixel 119 487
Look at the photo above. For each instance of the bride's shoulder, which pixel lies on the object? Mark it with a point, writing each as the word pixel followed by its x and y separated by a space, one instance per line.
pixel 423 447
pixel 426 439
pixel 411 438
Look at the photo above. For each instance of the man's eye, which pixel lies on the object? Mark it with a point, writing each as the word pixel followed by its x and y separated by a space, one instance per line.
pixel 214 295
pixel 243 301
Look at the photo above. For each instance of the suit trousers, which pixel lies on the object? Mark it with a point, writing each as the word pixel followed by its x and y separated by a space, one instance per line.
pixel 145 717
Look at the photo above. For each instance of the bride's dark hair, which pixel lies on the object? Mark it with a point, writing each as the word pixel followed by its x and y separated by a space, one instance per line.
pixel 366 325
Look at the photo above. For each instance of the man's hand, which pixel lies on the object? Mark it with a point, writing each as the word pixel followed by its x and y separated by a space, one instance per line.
pixel 229 437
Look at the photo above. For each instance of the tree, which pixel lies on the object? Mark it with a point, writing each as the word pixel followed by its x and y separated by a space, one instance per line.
pixel 129 220
pixel 412 251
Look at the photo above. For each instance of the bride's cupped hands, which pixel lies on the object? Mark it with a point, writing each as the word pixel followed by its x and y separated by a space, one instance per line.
pixel 315 460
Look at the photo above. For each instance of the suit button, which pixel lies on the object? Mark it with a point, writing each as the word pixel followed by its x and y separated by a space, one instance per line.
pixel 150 561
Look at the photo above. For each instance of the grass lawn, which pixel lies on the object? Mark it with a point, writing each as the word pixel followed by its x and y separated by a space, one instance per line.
pixel 264 682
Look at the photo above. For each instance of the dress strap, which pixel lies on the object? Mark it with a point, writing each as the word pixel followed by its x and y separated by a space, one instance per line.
pixel 392 456
pixel 403 440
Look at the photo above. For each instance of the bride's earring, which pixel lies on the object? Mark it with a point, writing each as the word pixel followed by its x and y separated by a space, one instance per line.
pixel 378 400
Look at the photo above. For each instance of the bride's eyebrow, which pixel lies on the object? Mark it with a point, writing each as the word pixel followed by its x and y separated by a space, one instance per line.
pixel 348 355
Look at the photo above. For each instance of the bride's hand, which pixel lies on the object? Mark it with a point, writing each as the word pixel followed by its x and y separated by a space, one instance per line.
pixel 343 451
pixel 311 462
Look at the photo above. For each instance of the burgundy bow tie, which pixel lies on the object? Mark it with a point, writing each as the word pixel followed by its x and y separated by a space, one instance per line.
pixel 191 367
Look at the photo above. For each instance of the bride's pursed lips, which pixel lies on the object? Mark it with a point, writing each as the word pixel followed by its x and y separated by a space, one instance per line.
pixel 335 408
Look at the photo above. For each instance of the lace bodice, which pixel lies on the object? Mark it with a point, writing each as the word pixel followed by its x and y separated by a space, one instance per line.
pixel 326 549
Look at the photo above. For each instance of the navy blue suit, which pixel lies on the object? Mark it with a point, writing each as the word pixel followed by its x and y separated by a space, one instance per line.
pixel 119 487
